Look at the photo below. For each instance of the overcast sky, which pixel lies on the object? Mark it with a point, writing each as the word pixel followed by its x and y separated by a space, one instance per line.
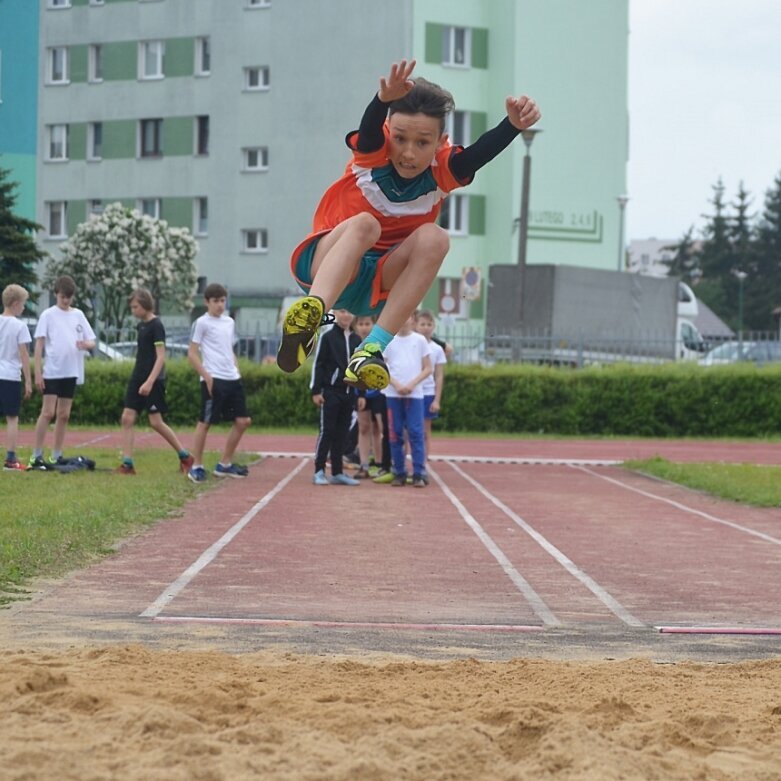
pixel 704 102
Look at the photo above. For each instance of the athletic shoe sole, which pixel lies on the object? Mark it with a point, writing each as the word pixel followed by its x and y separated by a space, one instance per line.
pixel 299 332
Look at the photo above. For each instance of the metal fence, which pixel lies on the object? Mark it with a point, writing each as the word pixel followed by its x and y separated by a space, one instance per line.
pixel 472 345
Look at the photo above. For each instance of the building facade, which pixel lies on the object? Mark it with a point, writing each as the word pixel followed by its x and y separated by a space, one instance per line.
pixel 19 99
pixel 229 117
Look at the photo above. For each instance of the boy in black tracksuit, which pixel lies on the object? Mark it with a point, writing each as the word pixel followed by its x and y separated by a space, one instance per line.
pixel 335 399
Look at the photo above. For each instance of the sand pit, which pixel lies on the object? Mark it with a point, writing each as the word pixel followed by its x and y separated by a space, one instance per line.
pixel 133 713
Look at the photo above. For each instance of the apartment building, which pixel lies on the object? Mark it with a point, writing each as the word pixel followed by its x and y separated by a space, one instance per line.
pixel 229 117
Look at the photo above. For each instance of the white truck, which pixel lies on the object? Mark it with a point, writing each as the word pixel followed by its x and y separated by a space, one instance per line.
pixel 567 315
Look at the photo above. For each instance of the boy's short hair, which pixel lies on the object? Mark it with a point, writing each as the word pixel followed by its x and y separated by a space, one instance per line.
pixel 14 293
pixel 145 299
pixel 425 98
pixel 65 285
pixel 425 314
pixel 215 290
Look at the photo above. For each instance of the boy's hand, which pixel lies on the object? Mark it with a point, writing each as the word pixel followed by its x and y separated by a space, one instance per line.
pixel 522 112
pixel 398 84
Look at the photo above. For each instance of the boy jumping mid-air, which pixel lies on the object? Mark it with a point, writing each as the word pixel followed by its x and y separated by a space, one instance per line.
pixel 375 248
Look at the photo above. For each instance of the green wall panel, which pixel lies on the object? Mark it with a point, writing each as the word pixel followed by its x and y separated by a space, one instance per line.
pixel 478 124
pixel 179 57
pixel 178 136
pixel 433 42
pixel 178 212
pixel 119 139
pixel 78 63
pixel 476 215
pixel 120 61
pixel 77 213
pixel 77 141
pixel 479 47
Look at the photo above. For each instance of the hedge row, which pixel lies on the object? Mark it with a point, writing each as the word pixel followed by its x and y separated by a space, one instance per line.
pixel 674 400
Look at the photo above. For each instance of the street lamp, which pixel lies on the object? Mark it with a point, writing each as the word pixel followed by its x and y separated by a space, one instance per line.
pixel 622 201
pixel 523 237
pixel 741 276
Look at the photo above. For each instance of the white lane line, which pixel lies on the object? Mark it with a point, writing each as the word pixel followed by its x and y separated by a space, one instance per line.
pixel 474 459
pixel 211 553
pixel 94 440
pixel 543 612
pixel 610 602
pixel 685 508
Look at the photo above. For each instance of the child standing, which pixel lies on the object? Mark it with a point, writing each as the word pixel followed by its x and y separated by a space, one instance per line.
pixel 433 384
pixel 222 392
pixel 409 364
pixel 335 399
pixel 64 336
pixel 14 365
pixel 146 389
pixel 375 247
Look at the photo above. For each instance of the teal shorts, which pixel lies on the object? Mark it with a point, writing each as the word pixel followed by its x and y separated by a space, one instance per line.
pixel 363 295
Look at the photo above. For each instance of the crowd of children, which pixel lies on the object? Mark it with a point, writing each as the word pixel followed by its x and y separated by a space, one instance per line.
pixel 63 336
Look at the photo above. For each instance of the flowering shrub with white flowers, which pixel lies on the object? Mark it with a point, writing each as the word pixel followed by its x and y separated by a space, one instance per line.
pixel 113 253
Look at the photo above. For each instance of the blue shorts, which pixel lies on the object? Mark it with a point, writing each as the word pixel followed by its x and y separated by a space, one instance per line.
pixel 10 398
pixel 363 296
pixel 427 414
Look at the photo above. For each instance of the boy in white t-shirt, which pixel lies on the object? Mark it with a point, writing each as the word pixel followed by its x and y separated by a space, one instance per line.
pixel 64 336
pixel 432 385
pixel 409 363
pixel 222 392
pixel 14 364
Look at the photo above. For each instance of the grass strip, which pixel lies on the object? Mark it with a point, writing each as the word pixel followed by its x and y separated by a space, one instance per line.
pixel 51 523
pixel 746 483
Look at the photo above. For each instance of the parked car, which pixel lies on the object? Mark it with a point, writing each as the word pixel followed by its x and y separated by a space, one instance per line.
pixel 759 353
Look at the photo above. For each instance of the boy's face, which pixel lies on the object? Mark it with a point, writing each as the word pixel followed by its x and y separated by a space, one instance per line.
pixel 343 318
pixel 216 306
pixel 137 310
pixel 425 326
pixel 409 326
pixel 414 140
pixel 363 326
pixel 63 300
pixel 16 308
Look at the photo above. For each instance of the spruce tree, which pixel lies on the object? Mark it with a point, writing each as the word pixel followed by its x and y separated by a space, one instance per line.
pixel 767 255
pixel 19 254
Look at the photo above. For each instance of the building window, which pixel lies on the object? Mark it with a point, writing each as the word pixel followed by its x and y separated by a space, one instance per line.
pixel 257 78
pixel 57 142
pixel 201 220
pixel 95 64
pixel 57 65
pixel 150 59
pixel 95 141
pixel 203 57
pixel 59 3
pixel 254 240
pixel 56 219
pixel 94 207
pixel 151 138
pixel 456 46
pixel 457 128
pixel 454 217
pixel 255 158
pixel 151 207
pixel 202 135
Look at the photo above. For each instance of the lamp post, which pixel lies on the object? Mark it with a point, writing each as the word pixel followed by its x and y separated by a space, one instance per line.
pixel 622 201
pixel 741 276
pixel 523 233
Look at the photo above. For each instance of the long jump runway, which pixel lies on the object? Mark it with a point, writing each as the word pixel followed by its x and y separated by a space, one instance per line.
pixel 499 556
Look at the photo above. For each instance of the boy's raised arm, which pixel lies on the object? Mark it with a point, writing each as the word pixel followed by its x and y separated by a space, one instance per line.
pixel 395 86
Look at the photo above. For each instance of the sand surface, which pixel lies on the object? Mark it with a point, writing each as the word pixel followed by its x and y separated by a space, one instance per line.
pixel 127 712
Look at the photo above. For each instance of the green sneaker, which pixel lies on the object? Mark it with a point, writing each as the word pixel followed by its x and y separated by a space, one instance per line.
pixel 367 369
pixel 383 479
pixel 299 332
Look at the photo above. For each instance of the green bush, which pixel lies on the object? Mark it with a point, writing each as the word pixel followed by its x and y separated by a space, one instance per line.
pixel 670 400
